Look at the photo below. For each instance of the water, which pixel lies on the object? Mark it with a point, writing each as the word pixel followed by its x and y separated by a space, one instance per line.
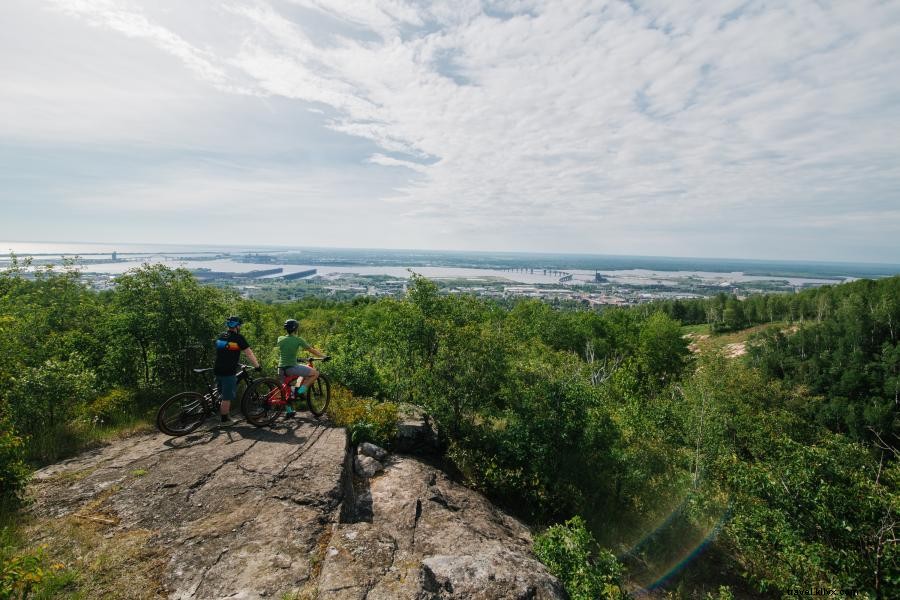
pixel 514 267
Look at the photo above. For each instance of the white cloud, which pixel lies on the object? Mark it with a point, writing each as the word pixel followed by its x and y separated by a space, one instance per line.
pixel 592 126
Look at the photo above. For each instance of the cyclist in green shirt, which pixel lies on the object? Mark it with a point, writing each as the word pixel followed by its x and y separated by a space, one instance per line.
pixel 288 347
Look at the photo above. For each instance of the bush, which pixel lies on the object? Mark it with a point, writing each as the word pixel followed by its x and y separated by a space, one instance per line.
pixel 47 395
pixel 13 471
pixel 110 408
pixel 24 573
pixel 366 419
pixel 586 570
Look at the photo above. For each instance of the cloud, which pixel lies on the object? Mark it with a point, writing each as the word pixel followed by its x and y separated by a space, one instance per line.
pixel 133 23
pixel 592 126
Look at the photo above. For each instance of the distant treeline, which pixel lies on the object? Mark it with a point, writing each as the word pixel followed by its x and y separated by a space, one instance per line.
pixel 725 312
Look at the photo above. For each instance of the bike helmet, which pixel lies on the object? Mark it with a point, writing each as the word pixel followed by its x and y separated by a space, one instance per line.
pixel 291 325
pixel 233 321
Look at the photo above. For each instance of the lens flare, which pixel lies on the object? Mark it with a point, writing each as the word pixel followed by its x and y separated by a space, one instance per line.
pixel 690 545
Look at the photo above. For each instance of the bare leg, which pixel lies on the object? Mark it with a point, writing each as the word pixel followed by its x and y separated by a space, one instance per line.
pixel 225 407
pixel 308 381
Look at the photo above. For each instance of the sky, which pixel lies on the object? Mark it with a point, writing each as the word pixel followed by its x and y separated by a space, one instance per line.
pixel 671 128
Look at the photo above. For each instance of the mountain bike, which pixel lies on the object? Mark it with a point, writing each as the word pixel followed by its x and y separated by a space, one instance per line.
pixel 266 397
pixel 185 412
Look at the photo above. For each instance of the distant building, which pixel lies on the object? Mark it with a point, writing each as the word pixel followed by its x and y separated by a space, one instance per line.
pixel 114 256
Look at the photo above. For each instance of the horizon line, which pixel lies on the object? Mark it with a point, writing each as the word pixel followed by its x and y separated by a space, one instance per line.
pixel 248 248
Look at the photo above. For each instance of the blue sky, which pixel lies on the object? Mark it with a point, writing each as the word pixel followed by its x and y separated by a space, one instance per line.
pixel 681 128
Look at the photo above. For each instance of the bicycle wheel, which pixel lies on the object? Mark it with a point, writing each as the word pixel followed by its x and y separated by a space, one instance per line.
pixel 318 395
pixel 182 413
pixel 263 401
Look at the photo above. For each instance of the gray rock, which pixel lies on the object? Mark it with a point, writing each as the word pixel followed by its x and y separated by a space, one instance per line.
pixel 416 433
pixel 427 537
pixel 366 466
pixel 236 513
pixel 376 452
pixel 267 513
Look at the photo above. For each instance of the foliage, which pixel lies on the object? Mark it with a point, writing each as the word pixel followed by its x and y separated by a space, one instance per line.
pixel 366 420
pixel 808 507
pixel 165 318
pixel 587 571
pixel 551 412
pixel 112 407
pixel 723 593
pixel 27 572
pixel 13 471
pixel 815 516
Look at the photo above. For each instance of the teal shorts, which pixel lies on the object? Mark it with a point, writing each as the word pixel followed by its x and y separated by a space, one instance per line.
pixel 227 385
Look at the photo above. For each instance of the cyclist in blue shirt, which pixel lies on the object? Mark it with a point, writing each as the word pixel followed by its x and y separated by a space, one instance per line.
pixel 229 346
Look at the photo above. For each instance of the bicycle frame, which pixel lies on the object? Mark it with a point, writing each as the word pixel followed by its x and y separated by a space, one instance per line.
pixel 212 391
pixel 286 389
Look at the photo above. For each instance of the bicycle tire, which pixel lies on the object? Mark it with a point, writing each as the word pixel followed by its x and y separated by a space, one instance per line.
pixel 318 396
pixel 257 402
pixel 182 413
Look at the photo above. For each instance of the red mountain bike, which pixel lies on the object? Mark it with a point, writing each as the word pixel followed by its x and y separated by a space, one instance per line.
pixel 266 398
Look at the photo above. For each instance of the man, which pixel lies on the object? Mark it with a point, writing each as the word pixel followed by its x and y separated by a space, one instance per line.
pixel 288 347
pixel 229 346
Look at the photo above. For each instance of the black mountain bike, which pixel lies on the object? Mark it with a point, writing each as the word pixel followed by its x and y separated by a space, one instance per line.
pixel 185 412
pixel 266 397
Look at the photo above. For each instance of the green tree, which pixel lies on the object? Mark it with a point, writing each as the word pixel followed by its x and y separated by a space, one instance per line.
pixel 167 319
pixel 587 571
pixel 13 471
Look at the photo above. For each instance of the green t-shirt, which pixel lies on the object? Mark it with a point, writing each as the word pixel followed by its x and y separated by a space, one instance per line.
pixel 288 347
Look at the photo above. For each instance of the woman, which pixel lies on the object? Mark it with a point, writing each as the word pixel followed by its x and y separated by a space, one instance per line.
pixel 288 347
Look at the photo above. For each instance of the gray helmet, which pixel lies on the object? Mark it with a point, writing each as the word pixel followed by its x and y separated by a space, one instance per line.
pixel 291 325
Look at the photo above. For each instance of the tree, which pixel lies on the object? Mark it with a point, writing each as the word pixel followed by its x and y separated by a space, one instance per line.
pixel 169 318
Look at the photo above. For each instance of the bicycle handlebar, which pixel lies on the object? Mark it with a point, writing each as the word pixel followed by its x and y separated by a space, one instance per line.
pixel 313 358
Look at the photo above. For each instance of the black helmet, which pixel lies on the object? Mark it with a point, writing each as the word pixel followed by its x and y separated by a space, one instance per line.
pixel 233 321
pixel 291 325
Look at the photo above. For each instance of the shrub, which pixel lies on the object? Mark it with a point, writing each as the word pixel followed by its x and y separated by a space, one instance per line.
pixel 13 471
pixel 366 420
pixel 110 408
pixel 46 396
pixel 586 570
pixel 23 573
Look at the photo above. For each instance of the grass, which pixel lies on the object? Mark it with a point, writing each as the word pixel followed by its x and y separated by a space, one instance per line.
pixel 79 555
pixel 720 341
pixel 67 439
pixel 702 329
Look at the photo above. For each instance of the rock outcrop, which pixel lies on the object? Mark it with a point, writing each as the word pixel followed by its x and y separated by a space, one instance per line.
pixel 242 512
pixel 413 533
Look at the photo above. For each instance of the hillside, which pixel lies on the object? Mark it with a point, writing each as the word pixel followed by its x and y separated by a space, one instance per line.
pixel 601 430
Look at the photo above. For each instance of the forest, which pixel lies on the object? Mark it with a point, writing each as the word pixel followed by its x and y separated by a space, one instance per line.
pixel 641 464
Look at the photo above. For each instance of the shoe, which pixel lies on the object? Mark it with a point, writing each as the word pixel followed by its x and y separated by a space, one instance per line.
pixel 301 390
pixel 226 420
pixel 290 415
